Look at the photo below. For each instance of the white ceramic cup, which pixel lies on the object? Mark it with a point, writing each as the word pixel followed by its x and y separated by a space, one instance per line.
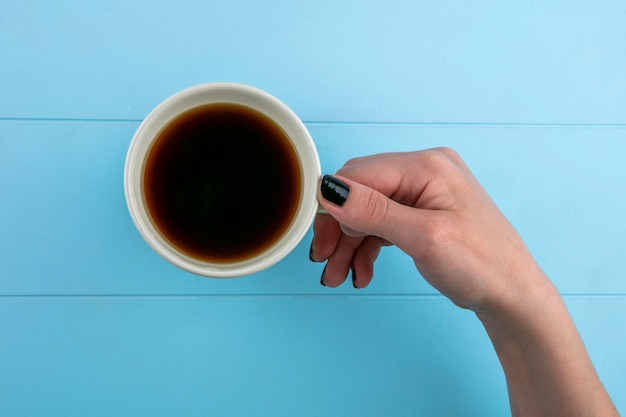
pixel 212 93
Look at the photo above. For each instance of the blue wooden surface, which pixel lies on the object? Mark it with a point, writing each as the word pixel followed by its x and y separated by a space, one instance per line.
pixel 93 322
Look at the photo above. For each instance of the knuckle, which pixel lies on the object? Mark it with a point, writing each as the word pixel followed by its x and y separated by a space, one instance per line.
pixel 437 159
pixel 353 161
pixel 449 153
pixel 375 209
pixel 434 162
pixel 442 160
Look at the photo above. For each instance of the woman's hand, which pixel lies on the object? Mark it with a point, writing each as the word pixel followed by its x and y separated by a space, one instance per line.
pixel 428 204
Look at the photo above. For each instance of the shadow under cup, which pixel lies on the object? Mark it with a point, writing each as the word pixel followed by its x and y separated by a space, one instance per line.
pixel 221 180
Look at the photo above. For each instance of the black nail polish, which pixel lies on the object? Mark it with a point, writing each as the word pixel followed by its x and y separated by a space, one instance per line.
pixel 354 280
pixel 311 253
pixel 322 278
pixel 334 190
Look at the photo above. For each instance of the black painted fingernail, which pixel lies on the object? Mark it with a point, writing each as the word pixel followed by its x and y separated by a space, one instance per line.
pixel 323 274
pixel 334 190
pixel 354 280
pixel 311 253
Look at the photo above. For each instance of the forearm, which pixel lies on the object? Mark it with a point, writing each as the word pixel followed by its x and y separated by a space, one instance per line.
pixel 547 368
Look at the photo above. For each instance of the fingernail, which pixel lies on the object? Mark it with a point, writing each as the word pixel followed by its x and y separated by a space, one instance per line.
pixel 323 274
pixel 334 190
pixel 311 253
pixel 354 280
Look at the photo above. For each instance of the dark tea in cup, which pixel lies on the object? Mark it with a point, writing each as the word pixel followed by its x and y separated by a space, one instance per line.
pixel 222 182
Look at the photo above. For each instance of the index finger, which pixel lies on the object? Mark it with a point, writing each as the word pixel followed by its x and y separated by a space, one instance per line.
pixel 403 177
pixel 375 157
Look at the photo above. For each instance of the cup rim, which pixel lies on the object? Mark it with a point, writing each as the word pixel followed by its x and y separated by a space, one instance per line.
pixel 222 92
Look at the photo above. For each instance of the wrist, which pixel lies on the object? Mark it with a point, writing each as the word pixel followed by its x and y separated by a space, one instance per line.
pixel 547 368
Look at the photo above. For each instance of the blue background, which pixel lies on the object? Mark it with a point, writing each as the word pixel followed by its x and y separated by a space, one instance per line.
pixel 93 322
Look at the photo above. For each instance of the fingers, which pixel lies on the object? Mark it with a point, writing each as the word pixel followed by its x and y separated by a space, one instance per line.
pixel 340 262
pixel 363 262
pixel 362 221
pixel 327 233
pixel 344 253
pixel 353 256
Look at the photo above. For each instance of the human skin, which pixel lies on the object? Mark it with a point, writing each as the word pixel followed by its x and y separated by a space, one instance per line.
pixel 429 205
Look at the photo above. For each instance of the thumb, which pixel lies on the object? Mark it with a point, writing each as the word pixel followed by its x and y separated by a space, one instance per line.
pixel 362 210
